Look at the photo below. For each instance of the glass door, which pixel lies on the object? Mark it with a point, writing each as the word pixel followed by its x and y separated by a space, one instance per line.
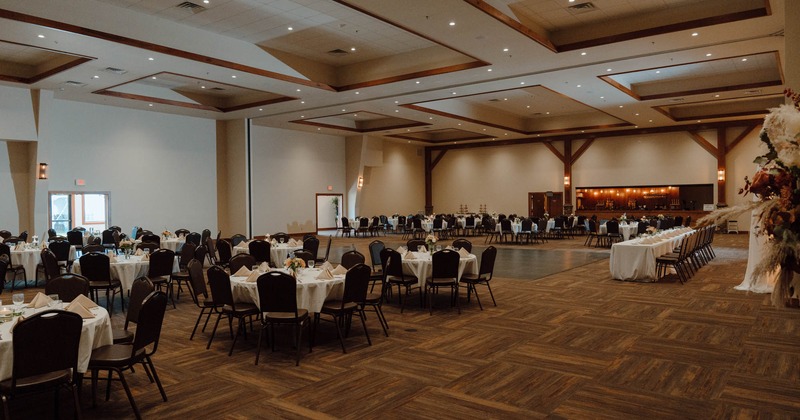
pixel 69 210
pixel 60 213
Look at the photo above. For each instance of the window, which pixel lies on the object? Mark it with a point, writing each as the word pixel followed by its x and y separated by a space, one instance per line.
pixel 69 210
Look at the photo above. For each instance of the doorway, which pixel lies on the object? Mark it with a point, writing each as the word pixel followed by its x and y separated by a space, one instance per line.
pixel 329 209
pixel 548 202
pixel 69 210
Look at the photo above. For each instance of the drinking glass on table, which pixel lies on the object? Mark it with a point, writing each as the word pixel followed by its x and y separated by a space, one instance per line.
pixel 18 299
pixel 310 263
pixel 280 240
pixel 55 301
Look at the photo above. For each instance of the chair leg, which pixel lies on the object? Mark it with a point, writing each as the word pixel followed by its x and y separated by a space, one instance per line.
pixel 128 392
pixel 149 362
pixel 490 293
pixel 339 334
pixel 364 325
pixel 213 332
pixel 260 342
pixel 478 298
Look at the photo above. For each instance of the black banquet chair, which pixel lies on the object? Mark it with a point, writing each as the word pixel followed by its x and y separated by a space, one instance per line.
pixel 277 293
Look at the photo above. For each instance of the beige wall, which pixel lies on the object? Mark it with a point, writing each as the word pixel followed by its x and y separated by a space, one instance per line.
pixel 397 183
pixel 232 169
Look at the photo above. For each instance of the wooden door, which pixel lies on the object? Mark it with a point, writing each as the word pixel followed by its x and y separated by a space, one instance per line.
pixel 536 203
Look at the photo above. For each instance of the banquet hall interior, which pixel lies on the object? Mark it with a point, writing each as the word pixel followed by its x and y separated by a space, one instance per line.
pixel 254 117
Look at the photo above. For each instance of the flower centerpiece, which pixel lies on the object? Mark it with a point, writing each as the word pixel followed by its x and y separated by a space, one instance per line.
pixel 166 234
pixel 660 217
pixel 652 230
pixel 126 246
pixel 430 242
pixel 777 208
pixel 624 217
pixel 294 264
pixel 546 215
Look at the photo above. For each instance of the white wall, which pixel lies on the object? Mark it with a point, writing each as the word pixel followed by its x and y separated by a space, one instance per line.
pixel 288 169
pixel 499 177
pixel 396 184
pixel 160 169
pixel 9 213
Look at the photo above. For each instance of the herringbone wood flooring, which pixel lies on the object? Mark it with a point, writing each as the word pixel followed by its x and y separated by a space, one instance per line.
pixel 574 344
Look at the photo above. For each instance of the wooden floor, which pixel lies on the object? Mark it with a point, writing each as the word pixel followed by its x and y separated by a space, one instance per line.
pixel 573 344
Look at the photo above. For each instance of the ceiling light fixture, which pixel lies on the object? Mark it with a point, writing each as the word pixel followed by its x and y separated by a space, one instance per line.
pixel 608 69
pixel 357 93
pixel 578 86
pixel 744 59
pixel 488 69
pixel 206 1
pixel 150 58
pixel 352 48
pixel 505 49
pixel 202 87
pixel 149 104
pixel 658 71
pixel 154 78
pixel 454 93
pixel 95 77
pixel 233 76
pixel 260 109
pixel 522 83
pixel 302 102
pixel 695 34
pixel 583 53
pixel 40 35
pixel 290 28
pixel 708 55
pixel 452 23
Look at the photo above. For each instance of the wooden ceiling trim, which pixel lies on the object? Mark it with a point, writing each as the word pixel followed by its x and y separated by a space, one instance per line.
pixel 461 118
pixel 410 136
pixel 144 98
pixel 747 130
pixel 55 70
pixel 705 144
pixel 355 129
pixel 665 29
pixel 742 86
pixel 438 158
pixel 162 49
pixel 513 24
pixel 415 75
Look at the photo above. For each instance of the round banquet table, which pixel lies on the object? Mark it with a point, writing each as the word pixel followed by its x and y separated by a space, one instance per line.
pixel 311 292
pixel 173 244
pixel 96 333
pixel 422 266
pixel 626 230
pixel 277 252
pixel 128 270
pixel 30 258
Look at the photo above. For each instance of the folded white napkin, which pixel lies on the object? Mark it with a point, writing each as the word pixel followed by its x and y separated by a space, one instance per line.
pixel 112 258
pixel 243 272
pixel 273 242
pixel 44 245
pixel 463 253
pixel 146 257
pixel 410 256
pixel 244 244
pixel 325 275
pixel 402 250
pixel 339 270
pixel 85 301
pixel 264 267
pixel 40 301
pixel 138 252
pixel 19 247
pixel 253 276
pixel 79 309
pixel 327 266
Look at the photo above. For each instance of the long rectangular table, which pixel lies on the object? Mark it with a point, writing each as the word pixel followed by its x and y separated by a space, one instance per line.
pixel 635 260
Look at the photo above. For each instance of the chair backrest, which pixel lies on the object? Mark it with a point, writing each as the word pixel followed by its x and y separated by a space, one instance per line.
pixel 413 244
pixel 241 260
pixel 210 249
pixel 220 283
pixel 140 289
pixel 224 250
pixel 311 245
pixel 488 257
pixel 527 225
pixel 463 243
pixel 260 250
pixel 205 235
pixel 304 255
pixel 12 240
pixel 93 248
pixel 445 264
pixel 181 231
pixel 149 247
pixel 417 223
pixel 281 235
pixel 45 342
pixel 96 266
pixel 437 223
pixel 23 236
pixel 108 237
pixel 5 250
pixel 678 221
pixel 187 253
pixel 363 223
pixel 198 281
pixel 375 248
pixel 237 239
pixel 469 222
pixel 193 238
pixel 277 292
pixel 200 253
pixel 4 262
pixel 67 286
pixel 351 258
pixel 345 223
pixel 50 262
pixel 356 283
pixel 5 234
pixel 161 262
pixel 155 239
pixel 392 262
pixel 641 227
pixel 328 248
pixel 688 221
pixel 612 227
pixel 51 233
pixel 75 238
pixel 148 325
pixel 61 249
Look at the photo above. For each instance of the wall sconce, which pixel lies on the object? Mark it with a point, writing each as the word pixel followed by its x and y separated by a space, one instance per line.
pixel 42 171
pixel 566 181
pixel 721 175
pixel 360 182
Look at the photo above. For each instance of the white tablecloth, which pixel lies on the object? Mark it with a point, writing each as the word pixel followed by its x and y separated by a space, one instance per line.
pixel 173 244
pixel 627 230
pixel 422 266
pixel 277 252
pixel 96 333
pixel 427 225
pixel 311 293
pixel 30 258
pixel 128 270
pixel 636 259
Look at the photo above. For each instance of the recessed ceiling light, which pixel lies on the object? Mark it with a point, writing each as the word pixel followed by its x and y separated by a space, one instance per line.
pixel 396 110
pixel 357 93
pixel 695 34
pixel 602 97
pixel 154 78
pixel 522 83
pixel 397 102
pixel 651 120
pixel 578 86
pixel 302 116
pixel 620 106
pixel 488 69
pixel 150 58
pixel 583 53
pixel 302 102
pixel 417 82
pixel 260 109
pixel 455 93
pixel 344 110
pixel 352 48
pixel 547 113
pixel 202 87
pixel 505 49
pixel 206 1
pixel 149 104
pixel 716 96
pixel 452 23
pixel 298 90
pixel 699 120
pixel 319 129
pixel 528 106
pixel 708 55
pixel 459 123
pixel 430 118
pixel 233 76
pixel 95 77
pixel 637 114
pixel 658 71
pixel 744 59
pixel 40 35
pixel 505 99
pixel 290 28
pixel 484 129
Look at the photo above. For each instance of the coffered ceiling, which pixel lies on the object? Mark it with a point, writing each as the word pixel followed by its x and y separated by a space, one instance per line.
pixel 421 71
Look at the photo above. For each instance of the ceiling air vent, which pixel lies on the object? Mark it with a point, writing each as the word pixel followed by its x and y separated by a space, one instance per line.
pixel 193 7
pixel 73 83
pixel 752 92
pixel 216 88
pixel 677 99
pixel 115 70
pixel 338 52
pixel 494 100
pixel 581 8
